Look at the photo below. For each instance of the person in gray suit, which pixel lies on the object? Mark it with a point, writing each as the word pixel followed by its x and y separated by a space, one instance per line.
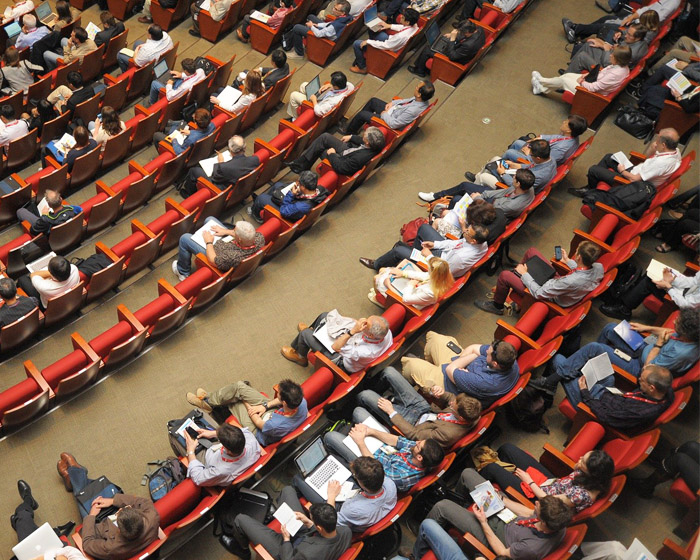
pixel 595 51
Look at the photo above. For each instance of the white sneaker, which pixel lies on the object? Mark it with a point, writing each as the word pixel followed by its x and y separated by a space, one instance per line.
pixel 180 277
pixel 427 196
pixel 537 87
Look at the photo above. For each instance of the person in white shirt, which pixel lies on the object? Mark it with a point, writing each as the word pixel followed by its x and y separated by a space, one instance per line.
pixel 217 10
pixel 405 28
pixel 10 127
pixel 655 169
pixel 252 89
pixel 157 44
pixel 45 284
pixel 182 83
pixel 15 12
pixel 425 288
pixel 330 95
pixel 469 6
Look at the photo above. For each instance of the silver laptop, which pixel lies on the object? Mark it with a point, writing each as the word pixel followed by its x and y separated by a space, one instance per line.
pixel 40 541
pixel 371 19
pixel 44 13
pixel 312 87
pixel 41 263
pixel 318 468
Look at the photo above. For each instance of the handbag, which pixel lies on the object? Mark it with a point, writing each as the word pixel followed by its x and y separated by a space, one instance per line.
pixel 409 230
pixel 592 75
pixel 277 196
pixel 634 122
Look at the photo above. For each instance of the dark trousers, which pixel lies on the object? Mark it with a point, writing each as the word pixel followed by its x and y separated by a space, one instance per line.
pixel 374 107
pixel 423 57
pixel 24 282
pixel 265 199
pixel 587 29
pixel 686 463
pixel 24 524
pixel 401 251
pixel 689 223
pixel 244 27
pixel 468 8
pixel 605 171
pixel 318 146
pixel 633 297
pixel 190 186
pixel 392 8
pixel 509 453
pixel 305 341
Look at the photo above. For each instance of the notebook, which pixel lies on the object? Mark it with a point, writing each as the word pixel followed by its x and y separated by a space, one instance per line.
pixel 636 551
pixel 372 443
pixel 40 541
pixel 318 468
pixel 161 69
pixel 229 96
pixel 437 41
pixel 371 19
pixel 631 337
pixel 596 369
pixel 208 164
pixel 540 270
pixel 9 185
pixel 13 29
pixel 259 16
pixel 400 284
pixel 92 30
pixel 321 334
pixel 198 236
pixel 312 87
pixel 486 497
pixel 41 263
pixel 655 270
pixel 46 16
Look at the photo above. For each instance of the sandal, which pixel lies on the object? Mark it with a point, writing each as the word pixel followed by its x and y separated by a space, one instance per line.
pixel 675 214
pixel 663 248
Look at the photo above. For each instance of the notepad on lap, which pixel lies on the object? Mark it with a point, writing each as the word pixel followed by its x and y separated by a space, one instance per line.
pixel 127 52
pixel 417 256
pixel 631 337
pixel 621 157
pixel 596 369
pixel 655 270
pixel 259 16
pixel 198 236
pixel 372 443
pixel 229 96
pixel 208 164
pixel 486 497
pixel 92 30
pixel 321 334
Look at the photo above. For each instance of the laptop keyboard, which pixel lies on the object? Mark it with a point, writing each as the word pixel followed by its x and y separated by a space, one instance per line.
pixel 324 473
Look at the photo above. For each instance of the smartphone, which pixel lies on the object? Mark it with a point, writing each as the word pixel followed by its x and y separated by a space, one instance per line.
pixel 622 355
pixel 557 252
pixel 504 163
pixel 452 346
pixel 194 434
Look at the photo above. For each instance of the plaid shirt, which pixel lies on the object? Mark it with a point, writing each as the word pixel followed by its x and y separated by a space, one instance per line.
pixel 398 466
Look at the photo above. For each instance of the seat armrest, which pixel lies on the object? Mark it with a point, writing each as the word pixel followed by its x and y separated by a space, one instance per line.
pixel 171 204
pixel 518 497
pixel 504 329
pixel 625 377
pixel 274 212
pixel 207 184
pixel 602 209
pixel 102 248
pixel 262 553
pixel 34 373
pixel 554 455
pixel 79 343
pixel 137 226
pixel 396 297
pixel 481 549
pixel 201 260
pixel 100 187
pixel 164 287
pixel 135 167
pixel 583 236
pixel 125 315
pixel 636 157
pixel 323 360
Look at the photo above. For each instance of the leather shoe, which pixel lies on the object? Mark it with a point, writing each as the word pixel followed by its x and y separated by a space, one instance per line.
pixel 413 70
pixel 357 70
pixel 194 33
pixel 70 460
pixel 302 327
pixel 145 19
pixel 369 263
pixel 469 176
pixel 25 492
pixel 578 192
pixel 231 544
pixel 65 529
pixel 616 311
pixel 293 356
pixel 62 468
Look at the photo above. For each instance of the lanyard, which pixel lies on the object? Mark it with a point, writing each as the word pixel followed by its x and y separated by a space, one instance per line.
pixel 371 340
pixel 449 417
pixel 404 456
pixel 636 397
pixel 372 496
pixel 555 140
pixel 233 459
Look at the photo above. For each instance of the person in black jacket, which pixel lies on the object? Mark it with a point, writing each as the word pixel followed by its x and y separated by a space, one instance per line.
pixel 346 156
pixel 270 74
pixel 111 28
pixel 14 307
pixel 465 41
pixel 654 92
pixel 55 214
pixel 66 98
pixel 297 202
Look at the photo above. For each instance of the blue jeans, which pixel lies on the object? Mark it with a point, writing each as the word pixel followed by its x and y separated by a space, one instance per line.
pixel 78 479
pixel 407 402
pixel 123 60
pixel 334 440
pixel 187 248
pixel 155 89
pixel 514 151
pixel 51 58
pixel 266 198
pixel 360 60
pixel 433 537
pixel 299 31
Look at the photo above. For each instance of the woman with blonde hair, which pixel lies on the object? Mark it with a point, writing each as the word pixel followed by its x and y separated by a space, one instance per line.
pixel 423 288
pixel 252 89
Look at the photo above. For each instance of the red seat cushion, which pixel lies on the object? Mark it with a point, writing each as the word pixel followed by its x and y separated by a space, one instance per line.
pixel 158 162
pixel 103 343
pixel 68 365
pixel 271 229
pixel 196 200
pixel 283 139
pixel 151 312
pixel 163 222
pixel 177 503
pixel 127 246
pixel 395 316
pixel 33 179
pixel 317 387
pixel 194 283
pixel 90 202
pixel 126 182
pixel 18 394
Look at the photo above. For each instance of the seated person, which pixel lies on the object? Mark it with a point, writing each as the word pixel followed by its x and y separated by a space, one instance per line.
pixel 65 15
pixel 532 536
pixel 483 371
pixel 217 11
pixel 460 254
pixel 157 44
pixel 57 279
pixel 346 156
pixel 413 415
pixel 330 30
pixel 110 28
pixel 356 8
pixel 19 74
pixel 135 527
pixel 67 98
pixel 14 307
pixel 406 26
pixel 512 201
pixel 397 113
pixel 674 349
pixel 15 11
pixel 253 410
pixel 654 92
pixel 22 521
pixel 201 118
pixel 682 50
pixel 565 291
pixel 683 462
pixel 470 6
pixel 179 83
pixel 320 537
pixel 655 169
pixel 304 195
pixel 374 502
pixel 633 410
pixel 466 40
pixel 589 479
pixel 12 128
pixel 479 213
pixel 391 10
pixel 106 126
pixel 411 461
pixel 684 291
pixel 270 74
pixel 498 170
pixel 608 81
pixel 327 98
pixel 54 215
pixel 224 173
pixel 30 33
pixel 425 288
pixel 273 22
pixel 252 89
pixel 42 113
pixel 221 464
pixel 75 47
pixel 596 51
pixel 84 143
pixel 356 342
pixel 224 255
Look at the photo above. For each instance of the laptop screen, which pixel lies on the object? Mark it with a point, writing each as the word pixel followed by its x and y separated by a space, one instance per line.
pixel 43 10
pixel 41 540
pixel 309 459
pixel 160 68
pixel 432 33
pixel 312 87
pixel 12 29
pixel 370 14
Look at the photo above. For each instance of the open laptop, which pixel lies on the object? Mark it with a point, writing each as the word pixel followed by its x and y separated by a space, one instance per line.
pixel 371 19
pixel 9 185
pixel 161 69
pixel 13 29
pixel 44 13
pixel 40 541
pixel 437 41
pixel 318 468
pixel 41 263
pixel 313 86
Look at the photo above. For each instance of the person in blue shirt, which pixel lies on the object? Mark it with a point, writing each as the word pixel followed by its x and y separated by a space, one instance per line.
pixel 674 349
pixel 316 26
pixel 202 118
pixel 269 419
pixel 293 205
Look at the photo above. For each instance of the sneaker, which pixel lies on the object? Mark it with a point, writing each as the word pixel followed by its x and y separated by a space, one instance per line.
pixel 180 277
pixel 200 403
pixel 372 296
pixel 569 30
pixel 537 87
pixel 426 196
pixel 256 217
pixel 488 306
pixel 469 176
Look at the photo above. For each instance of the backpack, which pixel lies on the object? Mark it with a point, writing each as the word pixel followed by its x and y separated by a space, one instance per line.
pixel 91 265
pixel 631 199
pixel 205 64
pixel 167 476
pixel 526 411
pixel 628 276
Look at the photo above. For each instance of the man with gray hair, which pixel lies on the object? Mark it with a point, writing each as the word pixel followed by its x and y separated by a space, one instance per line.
pixel 355 343
pixel 346 155
pixel 224 253
pixel 30 34
pixel 224 173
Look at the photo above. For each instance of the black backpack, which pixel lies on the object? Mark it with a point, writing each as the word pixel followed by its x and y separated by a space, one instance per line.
pixel 628 276
pixel 631 199
pixel 91 265
pixel 205 64
pixel 167 476
pixel 526 411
